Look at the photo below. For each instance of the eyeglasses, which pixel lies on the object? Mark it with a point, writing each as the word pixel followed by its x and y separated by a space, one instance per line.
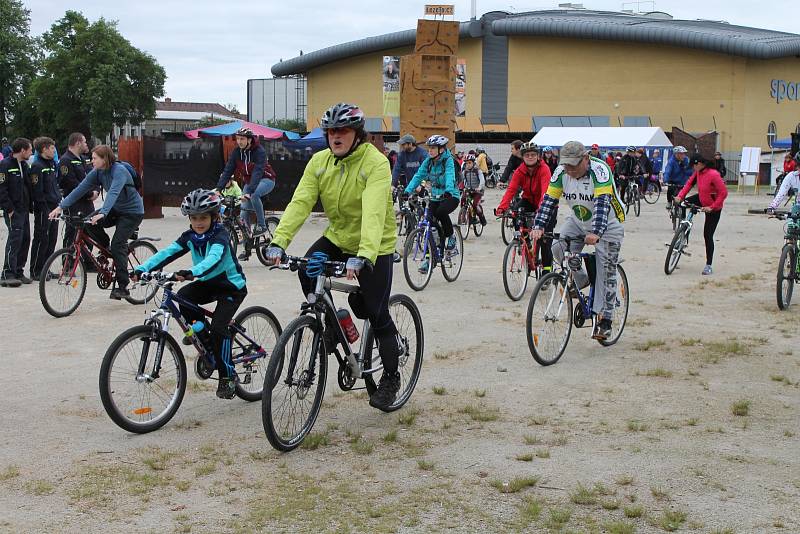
pixel 339 131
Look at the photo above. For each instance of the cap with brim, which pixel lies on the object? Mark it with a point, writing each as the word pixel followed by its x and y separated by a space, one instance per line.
pixel 697 158
pixel 680 150
pixel 407 138
pixel 572 153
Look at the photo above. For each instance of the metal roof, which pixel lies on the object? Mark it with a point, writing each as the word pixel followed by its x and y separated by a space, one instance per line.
pixel 713 36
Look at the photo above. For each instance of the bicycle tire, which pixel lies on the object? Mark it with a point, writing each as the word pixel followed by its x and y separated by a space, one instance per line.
pixel 267 338
pixel 289 439
pixel 620 312
pixel 675 250
pixel 506 229
pixel 140 293
pixel 637 207
pixel 553 288
pixel 111 394
pixel 452 264
pixel 516 253
pixel 234 238
pixel 56 278
pixel 415 349
pixel 787 271
pixel 467 226
pixel 414 251
pixel 673 215
pixel 652 194
pixel 477 227
pixel 263 242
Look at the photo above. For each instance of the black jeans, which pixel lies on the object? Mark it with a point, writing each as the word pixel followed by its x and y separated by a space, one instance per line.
pixel 19 240
pixel 710 226
pixel 126 224
pixel 45 235
pixel 672 191
pixel 228 301
pixel 545 243
pixel 441 210
pixel 372 302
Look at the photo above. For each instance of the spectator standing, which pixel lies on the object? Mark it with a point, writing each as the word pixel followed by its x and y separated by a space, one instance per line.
pixel 15 199
pixel 514 161
pixel 408 161
pixel 719 164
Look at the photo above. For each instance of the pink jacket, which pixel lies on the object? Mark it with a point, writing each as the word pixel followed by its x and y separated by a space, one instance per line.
pixel 710 186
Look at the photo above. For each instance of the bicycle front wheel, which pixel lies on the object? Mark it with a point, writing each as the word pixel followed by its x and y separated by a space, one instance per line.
pixel 787 271
pixel 652 194
pixel 637 207
pixel 294 384
pixel 515 270
pixel 138 252
pixel 549 321
pixel 263 328
pixel 477 227
pixel 464 220
pixel 146 401
pixel 408 321
pixel 62 283
pixel 620 316
pixel 453 258
pixel 506 229
pixel 675 250
pixel 417 259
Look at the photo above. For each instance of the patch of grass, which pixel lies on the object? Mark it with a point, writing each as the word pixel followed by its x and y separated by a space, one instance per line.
pixel 205 469
pixel 390 436
pixel 692 421
pixel 362 446
pixel 96 486
pixel 659 372
pixel 633 512
pixel 671 520
pixel 637 426
pixel 610 504
pixel 728 348
pixel 529 511
pixel 408 417
pixel 583 496
pixel 12 471
pixel 557 518
pixel 425 465
pixel 723 531
pixel 740 408
pixel 528 457
pixel 782 379
pixel 788 434
pixel 624 480
pixel 515 485
pixel 649 345
pixel 668 307
pixel 39 487
pixel 156 459
pixel 480 413
pixel 315 440
pixel 444 355
pixel 619 527
pixel 183 485
pixel 537 420
pixel 531 439
pixel 659 493
pixel 439 390
pixel 543 453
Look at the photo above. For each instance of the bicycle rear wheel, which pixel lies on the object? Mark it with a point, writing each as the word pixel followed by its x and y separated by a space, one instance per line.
pixel 263 242
pixel 787 272
pixel 138 252
pixel 146 402
pixel 515 270
pixel 417 260
pixel 408 321
pixel 294 384
pixel 652 193
pixel 675 250
pixel 453 259
pixel 263 327
pixel 62 283
pixel 549 320
pixel 620 316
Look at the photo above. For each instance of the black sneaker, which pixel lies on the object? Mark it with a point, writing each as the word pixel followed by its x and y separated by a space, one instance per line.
pixel 244 256
pixel 226 389
pixel 119 293
pixel 10 282
pixel 24 279
pixel 386 393
pixel 602 330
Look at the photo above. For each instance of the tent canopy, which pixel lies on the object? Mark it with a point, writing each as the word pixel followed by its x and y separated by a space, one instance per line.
pixel 786 142
pixel 616 137
pixel 230 128
pixel 315 139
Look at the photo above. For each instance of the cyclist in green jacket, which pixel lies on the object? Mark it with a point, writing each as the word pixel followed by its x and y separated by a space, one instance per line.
pixel 352 179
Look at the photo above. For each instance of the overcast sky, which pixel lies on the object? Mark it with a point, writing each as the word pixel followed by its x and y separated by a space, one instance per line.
pixel 211 48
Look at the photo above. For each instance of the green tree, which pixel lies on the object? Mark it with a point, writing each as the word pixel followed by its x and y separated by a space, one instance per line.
pixel 93 78
pixel 211 120
pixel 287 124
pixel 18 55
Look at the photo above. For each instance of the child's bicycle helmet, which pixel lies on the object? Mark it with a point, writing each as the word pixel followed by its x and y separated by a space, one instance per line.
pixel 201 201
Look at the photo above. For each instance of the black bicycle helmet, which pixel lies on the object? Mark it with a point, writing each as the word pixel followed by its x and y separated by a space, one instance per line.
pixel 201 201
pixel 342 115
pixel 630 149
pixel 245 132
pixel 530 146
pixel 797 157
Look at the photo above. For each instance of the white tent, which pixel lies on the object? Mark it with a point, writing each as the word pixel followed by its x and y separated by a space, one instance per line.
pixel 619 138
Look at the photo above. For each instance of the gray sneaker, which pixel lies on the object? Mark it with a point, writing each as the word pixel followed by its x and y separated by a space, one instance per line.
pixel 10 282
pixel 707 270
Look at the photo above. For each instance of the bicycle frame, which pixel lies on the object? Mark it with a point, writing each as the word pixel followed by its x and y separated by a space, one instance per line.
pixel 425 224
pixel 522 233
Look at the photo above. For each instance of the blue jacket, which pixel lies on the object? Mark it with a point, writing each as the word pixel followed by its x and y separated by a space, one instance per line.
pixel 408 163
pixel 212 257
pixel 677 172
pixel 441 173
pixel 121 196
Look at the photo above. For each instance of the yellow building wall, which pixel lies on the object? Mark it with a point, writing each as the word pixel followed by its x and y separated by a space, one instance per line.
pixel 759 107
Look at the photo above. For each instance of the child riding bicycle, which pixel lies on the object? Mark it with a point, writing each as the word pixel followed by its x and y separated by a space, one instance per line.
pixel 218 275
pixel 474 184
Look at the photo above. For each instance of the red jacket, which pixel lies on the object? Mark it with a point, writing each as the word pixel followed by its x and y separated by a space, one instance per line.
pixel 533 183
pixel 789 166
pixel 710 186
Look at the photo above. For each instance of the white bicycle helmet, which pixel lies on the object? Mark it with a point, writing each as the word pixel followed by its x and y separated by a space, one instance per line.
pixel 437 140
pixel 343 115
pixel 530 146
pixel 201 201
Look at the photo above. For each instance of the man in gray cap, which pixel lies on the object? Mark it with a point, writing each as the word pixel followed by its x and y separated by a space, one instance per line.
pixel 409 158
pixel 596 216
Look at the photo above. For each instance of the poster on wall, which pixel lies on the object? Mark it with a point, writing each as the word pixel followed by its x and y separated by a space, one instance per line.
pixel 391 86
pixel 461 88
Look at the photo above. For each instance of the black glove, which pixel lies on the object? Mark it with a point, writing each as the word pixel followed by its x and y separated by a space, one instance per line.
pixel 185 274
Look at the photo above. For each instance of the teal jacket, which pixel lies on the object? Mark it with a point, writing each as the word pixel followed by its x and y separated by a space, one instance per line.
pixel 441 172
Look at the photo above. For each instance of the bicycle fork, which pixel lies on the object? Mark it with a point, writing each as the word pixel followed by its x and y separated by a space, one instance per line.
pixel 141 376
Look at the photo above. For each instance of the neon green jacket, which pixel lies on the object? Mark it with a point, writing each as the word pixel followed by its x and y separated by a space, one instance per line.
pixel 356 196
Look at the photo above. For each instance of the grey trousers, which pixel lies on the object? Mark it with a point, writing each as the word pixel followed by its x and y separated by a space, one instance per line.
pixel 607 255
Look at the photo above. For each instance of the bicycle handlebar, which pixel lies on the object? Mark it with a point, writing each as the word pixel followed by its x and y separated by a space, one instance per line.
pixel 336 269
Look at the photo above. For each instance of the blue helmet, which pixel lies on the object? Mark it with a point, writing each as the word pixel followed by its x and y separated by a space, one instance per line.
pixel 548 149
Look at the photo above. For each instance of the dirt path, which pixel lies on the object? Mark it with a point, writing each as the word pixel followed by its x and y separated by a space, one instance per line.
pixel 638 437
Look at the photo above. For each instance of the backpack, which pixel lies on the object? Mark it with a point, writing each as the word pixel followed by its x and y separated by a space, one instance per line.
pixel 137 180
pixel 459 176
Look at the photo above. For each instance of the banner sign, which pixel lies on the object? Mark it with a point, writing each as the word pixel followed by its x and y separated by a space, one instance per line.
pixel 461 87
pixel 391 86
pixel 440 10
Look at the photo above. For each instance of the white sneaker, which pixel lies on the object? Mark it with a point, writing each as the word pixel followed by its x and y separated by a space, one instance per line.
pixel 707 270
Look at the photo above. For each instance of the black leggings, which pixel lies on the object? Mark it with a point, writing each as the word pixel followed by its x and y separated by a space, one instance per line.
pixel 228 300
pixel 712 220
pixel 441 210
pixel 372 302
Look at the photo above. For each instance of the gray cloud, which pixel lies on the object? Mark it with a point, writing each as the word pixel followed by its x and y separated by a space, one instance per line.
pixel 210 48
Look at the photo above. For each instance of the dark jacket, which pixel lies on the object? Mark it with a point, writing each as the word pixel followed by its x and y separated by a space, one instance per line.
pixel 44 184
pixel 719 164
pixel 71 172
pixel 408 164
pixel 631 166
pixel 15 187
pixel 511 166
pixel 250 164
